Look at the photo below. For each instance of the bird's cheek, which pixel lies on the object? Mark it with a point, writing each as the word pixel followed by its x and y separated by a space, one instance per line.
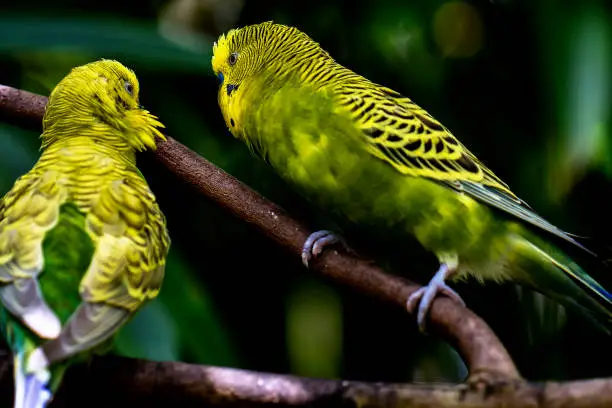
pixel 225 110
pixel 222 103
pixel 221 98
pixel 231 114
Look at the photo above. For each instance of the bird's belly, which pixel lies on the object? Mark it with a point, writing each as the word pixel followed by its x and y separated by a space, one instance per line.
pixel 369 192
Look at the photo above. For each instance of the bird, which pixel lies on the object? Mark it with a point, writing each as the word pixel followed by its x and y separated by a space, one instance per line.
pixel 369 154
pixel 83 242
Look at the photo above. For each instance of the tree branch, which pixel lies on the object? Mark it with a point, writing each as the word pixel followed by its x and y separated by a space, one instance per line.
pixel 483 353
pixel 140 383
pixel 157 384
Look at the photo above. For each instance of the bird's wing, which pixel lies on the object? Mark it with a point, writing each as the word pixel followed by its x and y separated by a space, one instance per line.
pixel 127 269
pixel 27 212
pixel 404 135
pixel 132 243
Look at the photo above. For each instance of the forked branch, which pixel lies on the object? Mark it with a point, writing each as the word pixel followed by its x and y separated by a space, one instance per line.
pixel 480 348
pixel 494 380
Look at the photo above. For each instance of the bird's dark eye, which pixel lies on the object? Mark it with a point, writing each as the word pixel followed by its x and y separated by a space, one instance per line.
pixel 233 58
pixel 128 87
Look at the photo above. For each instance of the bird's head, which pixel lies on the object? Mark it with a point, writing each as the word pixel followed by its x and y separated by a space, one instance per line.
pixel 101 93
pixel 243 54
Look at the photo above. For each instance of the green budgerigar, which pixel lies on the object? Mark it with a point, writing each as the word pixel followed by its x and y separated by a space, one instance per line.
pixel 365 151
pixel 83 243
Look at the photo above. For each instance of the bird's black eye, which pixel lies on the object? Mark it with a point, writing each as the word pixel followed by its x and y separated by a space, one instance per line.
pixel 233 58
pixel 129 87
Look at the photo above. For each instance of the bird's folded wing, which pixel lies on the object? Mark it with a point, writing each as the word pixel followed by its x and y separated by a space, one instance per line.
pixel 404 135
pixel 27 212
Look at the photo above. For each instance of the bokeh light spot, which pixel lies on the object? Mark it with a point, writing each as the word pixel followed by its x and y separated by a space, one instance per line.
pixel 458 29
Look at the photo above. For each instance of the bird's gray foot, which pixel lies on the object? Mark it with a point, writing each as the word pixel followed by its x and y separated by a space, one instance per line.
pixel 316 242
pixel 425 295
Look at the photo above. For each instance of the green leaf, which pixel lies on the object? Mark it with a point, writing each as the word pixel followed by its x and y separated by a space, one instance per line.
pixel 150 335
pixel 200 332
pixel 17 154
pixel 93 37
pixel 585 112
pixel 314 330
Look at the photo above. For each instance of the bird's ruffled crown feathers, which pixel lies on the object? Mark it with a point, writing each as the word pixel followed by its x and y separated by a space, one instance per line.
pixel 74 94
pixel 273 38
pixel 225 38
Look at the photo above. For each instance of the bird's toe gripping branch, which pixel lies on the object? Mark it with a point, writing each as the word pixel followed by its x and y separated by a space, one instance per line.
pixel 316 242
pixel 425 296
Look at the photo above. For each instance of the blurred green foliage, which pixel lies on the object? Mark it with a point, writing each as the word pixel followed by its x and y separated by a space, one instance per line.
pixel 524 84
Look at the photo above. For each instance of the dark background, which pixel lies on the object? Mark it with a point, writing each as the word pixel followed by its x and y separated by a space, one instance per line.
pixel 524 84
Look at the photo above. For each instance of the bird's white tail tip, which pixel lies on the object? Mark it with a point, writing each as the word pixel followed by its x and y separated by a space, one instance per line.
pixel 31 390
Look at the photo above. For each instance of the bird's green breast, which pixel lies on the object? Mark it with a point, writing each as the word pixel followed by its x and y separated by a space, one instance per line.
pixel 67 251
pixel 318 149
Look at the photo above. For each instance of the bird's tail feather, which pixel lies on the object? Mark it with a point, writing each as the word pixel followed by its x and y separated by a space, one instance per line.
pixel 31 390
pixel 543 316
pixel 562 279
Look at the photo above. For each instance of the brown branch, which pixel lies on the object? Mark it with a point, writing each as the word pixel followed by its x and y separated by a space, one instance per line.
pixel 482 351
pixel 114 381
pixel 475 341
pixel 153 384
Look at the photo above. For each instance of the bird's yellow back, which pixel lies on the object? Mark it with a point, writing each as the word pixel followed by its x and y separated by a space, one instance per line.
pixel 73 293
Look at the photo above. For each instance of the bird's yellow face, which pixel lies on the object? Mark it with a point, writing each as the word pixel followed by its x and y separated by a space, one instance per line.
pixel 250 57
pixel 229 63
pixel 237 57
pixel 104 92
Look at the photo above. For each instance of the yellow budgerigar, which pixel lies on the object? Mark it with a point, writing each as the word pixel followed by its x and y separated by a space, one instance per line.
pixel 83 243
pixel 365 151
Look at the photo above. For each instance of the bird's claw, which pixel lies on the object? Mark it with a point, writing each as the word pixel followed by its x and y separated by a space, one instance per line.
pixel 316 242
pixel 425 296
